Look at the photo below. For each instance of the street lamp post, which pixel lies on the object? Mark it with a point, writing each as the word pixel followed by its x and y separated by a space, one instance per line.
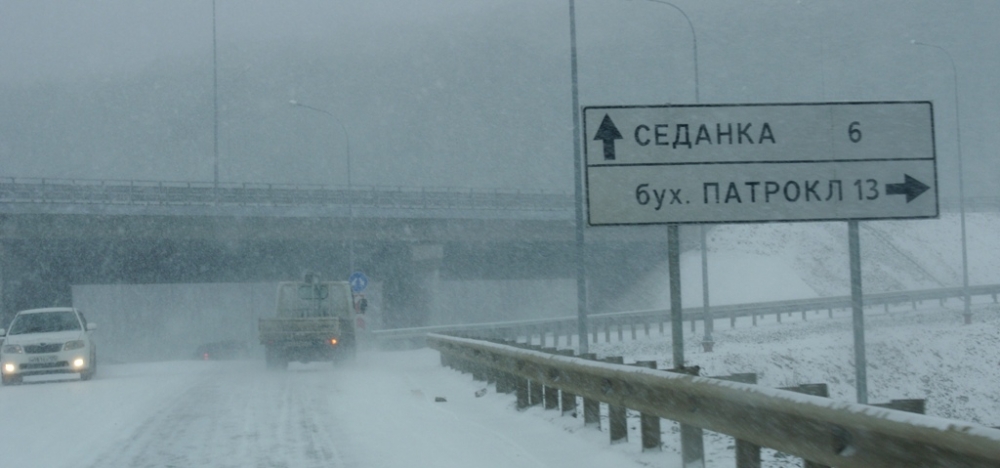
pixel 967 312
pixel 215 106
pixel 707 341
pixel 350 191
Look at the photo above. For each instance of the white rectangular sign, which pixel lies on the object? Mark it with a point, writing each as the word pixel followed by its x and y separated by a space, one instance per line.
pixel 760 162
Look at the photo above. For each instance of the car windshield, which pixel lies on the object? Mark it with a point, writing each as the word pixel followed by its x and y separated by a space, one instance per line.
pixel 45 322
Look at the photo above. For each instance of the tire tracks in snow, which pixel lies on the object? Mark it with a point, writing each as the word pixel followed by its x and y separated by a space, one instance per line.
pixel 242 416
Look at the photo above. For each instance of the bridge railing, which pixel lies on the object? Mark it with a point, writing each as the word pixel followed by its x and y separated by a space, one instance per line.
pixel 605 323
pixel 819 430
pixel 139 192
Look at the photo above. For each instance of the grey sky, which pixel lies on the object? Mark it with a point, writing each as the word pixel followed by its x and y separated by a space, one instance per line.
pixel 448 92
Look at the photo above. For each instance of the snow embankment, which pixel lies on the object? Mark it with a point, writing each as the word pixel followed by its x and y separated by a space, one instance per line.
pixel 778 261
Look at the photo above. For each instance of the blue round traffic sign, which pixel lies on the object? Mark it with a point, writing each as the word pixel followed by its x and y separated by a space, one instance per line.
pixel 358 281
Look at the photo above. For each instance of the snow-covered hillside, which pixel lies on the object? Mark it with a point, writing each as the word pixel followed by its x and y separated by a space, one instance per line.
pixel 765 262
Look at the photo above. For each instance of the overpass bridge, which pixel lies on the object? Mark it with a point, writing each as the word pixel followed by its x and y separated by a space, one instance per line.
pixel 59 232
pixel 145 198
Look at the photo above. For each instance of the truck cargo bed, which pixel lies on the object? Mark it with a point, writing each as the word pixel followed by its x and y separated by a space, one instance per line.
pixel 278 330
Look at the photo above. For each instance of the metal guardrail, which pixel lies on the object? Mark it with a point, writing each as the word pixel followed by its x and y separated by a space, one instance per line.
pixel 139 192
pixel 606 321
pixel 816 429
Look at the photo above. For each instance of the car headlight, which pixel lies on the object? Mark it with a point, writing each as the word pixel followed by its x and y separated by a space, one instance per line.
pixel 12 349
pixel 75 344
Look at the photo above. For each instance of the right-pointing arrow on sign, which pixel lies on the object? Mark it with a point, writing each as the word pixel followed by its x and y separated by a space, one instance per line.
pixel 911 187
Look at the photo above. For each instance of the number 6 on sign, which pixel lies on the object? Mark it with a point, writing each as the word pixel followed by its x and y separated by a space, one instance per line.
pixel 853 132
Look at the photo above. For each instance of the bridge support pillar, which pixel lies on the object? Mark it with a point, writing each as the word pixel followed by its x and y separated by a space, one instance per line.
pixel 3 284
pixel 411 274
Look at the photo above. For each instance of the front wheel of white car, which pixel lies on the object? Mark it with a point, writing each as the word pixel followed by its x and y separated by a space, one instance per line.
pixel 89 373
pixel 11 379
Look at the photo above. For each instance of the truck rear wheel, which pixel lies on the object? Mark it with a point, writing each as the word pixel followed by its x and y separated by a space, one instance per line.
pixel 275 359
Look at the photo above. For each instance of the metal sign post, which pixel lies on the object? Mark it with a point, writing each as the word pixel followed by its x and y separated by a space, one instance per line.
pixel 676 311
pixel 858 313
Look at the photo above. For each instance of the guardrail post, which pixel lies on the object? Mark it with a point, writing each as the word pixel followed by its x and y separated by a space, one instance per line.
pixel 617 415
pixel 591 408
pixel 747 454
pixel 917 406
pixel 804 315
pixel 830 312
pixel 820 390
pixel 568 399
pixel 632 324
pixel 620 328
pixel 778 315
pixel 607 331
pixel 480 373
pixel 551 394
pixel 645 326
pixel 523 398
pixel 536 393
pixel 732 320
pixel 692 438
pixel 754 319
pixel 649 424
pixel 506 382
pixel 459 364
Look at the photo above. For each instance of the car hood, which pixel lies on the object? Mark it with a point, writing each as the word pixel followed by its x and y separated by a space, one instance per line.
pixel 39 338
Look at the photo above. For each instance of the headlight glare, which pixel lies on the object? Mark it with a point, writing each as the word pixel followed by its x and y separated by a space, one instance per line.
pixel 9 368
pixel 78 363
pixel 12 349
pixel 75 344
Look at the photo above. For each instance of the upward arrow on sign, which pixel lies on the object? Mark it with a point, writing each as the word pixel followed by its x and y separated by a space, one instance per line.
pixel 608 133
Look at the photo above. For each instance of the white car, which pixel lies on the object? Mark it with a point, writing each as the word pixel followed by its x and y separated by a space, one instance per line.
pixel 47 341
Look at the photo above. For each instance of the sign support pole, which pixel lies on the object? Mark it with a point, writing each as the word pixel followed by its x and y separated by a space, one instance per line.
pixel 676 313
pixel 708 342
pixel 580 245
pixel 692 445
pixel 857 306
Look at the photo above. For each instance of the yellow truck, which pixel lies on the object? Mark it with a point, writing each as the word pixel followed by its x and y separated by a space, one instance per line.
pixel 315 321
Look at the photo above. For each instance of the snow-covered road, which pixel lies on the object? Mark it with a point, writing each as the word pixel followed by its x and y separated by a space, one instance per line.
pixel 379 412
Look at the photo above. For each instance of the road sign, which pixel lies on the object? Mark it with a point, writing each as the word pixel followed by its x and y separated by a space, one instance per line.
pixel 760 162
pixel 358 281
